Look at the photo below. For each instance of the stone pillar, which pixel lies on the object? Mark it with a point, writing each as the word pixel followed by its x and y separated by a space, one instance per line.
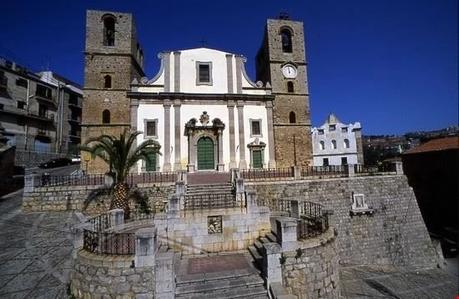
pixel 271 263
pixel 239 61
pixel 221 164
pixel 78 237
pixel 31 181
pixel 165 275
pixel 177 71
pixel 145 247
pixel 399 167
pixel 232 143
pixel 191 154
pixel 350 170
pixel 167 135
pixel 240 115
pixel 269 115
pixel 229 72
pixel 252 206
pixel 287 230
pixel 167 71
pixel 174 205
pixel 134 108
pixel 295 209
pixel 116 217
pixel 177 147
pixel 180 188
pixel 297 172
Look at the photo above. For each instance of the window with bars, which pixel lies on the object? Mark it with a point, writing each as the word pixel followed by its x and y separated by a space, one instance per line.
pixel 151 128
pixel 204 73
pixel 255 127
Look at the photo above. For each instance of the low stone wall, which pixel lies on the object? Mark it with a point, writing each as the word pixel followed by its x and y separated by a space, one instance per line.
pixel 189 232
pixel 63 198
pixel 99 276
pixel 394 233
pixel 312 271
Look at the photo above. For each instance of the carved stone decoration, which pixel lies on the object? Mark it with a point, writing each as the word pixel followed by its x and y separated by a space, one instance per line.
pixel 217 123
pixel 204 119
pixel 214 224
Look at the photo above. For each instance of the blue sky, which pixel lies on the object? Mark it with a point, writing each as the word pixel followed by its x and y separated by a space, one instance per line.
pixel 392 64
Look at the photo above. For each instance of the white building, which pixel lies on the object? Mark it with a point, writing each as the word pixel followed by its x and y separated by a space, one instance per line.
pixel 227 117
pixel 335 143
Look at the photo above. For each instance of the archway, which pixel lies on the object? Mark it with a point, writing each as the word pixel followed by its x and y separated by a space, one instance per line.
pixel 205 154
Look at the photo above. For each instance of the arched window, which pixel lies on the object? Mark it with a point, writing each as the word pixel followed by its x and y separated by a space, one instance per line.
pixel 333 144
pixel 109 31
pixel 292 117
pixel 346 143
pixel 286 37
pixel 322 145
pixel 290 87
pixel 107 81
pixel 106 116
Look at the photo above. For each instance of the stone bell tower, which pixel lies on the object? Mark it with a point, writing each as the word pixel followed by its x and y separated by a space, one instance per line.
pixel 113 58
pixel 281 61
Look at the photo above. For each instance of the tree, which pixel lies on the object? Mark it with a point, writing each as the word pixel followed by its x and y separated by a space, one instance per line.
pixel 121 154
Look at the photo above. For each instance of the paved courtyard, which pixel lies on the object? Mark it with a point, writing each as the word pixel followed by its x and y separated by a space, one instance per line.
pixel 35 252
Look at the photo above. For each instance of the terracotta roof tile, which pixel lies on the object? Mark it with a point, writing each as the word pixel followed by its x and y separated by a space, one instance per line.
pixel 434 145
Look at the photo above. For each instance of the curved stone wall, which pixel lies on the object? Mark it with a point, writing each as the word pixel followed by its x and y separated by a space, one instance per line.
pixel 312 271
pixel 99 276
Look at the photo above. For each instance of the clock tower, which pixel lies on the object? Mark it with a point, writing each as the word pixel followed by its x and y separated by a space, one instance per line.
pixel 281 61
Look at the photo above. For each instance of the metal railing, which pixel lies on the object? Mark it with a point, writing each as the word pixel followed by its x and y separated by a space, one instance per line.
pixel 373 170
pixel 71 180
pixel 100 223
pixel 212 201
pixel 151 177
pixel 109 243
pixel 328 171
pixel 267 174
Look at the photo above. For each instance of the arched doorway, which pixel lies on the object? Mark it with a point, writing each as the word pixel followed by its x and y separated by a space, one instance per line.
pixel 205 153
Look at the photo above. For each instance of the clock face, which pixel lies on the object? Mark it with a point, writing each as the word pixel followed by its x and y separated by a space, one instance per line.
pixel 289 71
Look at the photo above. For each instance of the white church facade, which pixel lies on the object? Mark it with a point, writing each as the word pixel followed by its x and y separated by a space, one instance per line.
pixel 205 112
pixel 336 143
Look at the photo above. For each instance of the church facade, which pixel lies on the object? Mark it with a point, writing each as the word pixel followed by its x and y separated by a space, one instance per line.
pixel 201 107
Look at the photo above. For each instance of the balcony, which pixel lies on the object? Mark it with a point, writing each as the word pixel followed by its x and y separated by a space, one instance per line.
pixel 46 100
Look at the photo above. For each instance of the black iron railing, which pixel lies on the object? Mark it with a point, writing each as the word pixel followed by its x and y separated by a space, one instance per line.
pixel 109 243
pixel 151 177
pixel 101 222
pixel 71 180
pixel 313 220
pixel 373 170
pixel 328 171
pixel 212 201
pixel 267 174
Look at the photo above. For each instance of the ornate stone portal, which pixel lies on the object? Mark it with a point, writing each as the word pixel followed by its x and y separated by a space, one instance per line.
pixel 201 138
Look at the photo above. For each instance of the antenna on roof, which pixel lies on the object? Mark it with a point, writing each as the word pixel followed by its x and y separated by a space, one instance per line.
pixel 284 16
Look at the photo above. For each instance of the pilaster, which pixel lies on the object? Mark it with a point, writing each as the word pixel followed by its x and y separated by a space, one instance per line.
pixel 269 116
pixel 232 146
pixel 167 135
pixel 177 147
pixel 240 114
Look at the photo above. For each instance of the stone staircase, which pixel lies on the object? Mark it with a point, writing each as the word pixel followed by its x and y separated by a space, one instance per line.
pixel 257 250
pixel 228 283
pixel 203 189
pixel 209 190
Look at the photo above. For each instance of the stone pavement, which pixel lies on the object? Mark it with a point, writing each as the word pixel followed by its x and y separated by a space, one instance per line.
pixel 389 282
pixel 35 251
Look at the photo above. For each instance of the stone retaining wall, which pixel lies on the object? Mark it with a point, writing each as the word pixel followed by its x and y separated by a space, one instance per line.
pixel 63 198
pixel 33 159
pixel 98 276
pixel 394 234
pixel 312 271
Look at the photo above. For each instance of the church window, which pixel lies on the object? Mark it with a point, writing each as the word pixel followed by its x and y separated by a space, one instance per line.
pixel 290 87
pixel 332 128
pixel 106 116
pixel 320 131
pixel 346 143
pixel 204 73
pixel 150 128
pixel 109 31
pixel 322 145
pixel 255 127
pixel 107 81
pixel 344 130
pixel 343 160
pixel 292 117
pixel 325 162
pixel 333 143
pixel 286 37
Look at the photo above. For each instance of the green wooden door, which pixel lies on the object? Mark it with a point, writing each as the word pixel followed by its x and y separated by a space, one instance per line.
pixel 205 153
pixel 150 163
pixel 257 159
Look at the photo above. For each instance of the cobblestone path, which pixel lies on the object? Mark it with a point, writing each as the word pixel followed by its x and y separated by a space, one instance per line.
pixel 388 282
pixel 35 252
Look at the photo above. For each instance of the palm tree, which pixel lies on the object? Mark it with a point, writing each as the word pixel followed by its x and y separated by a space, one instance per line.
pixel 121 154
